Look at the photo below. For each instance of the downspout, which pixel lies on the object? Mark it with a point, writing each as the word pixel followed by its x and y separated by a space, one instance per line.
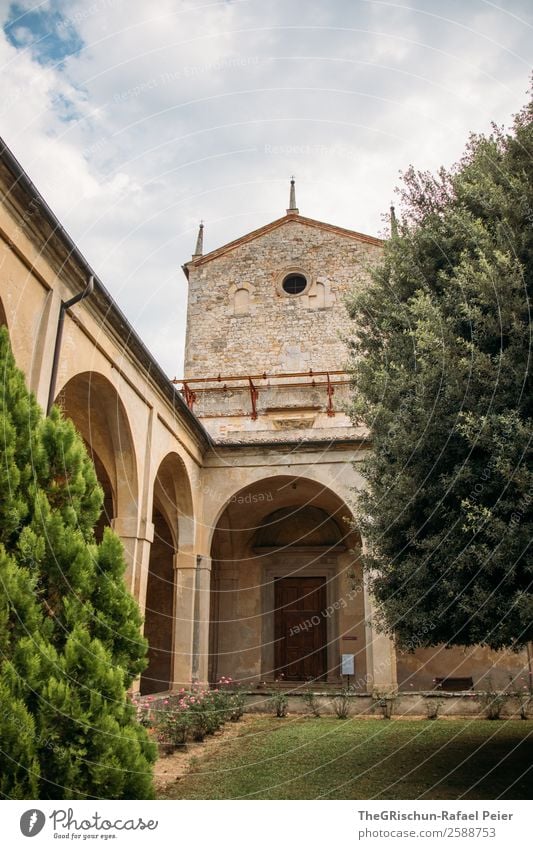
pixel 65 305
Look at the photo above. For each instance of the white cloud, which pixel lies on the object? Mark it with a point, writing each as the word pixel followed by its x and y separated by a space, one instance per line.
pixel 180 111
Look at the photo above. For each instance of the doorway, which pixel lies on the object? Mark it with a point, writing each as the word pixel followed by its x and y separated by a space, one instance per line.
pixel 300 628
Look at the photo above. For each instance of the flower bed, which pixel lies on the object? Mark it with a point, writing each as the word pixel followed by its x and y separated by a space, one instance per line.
pixel 191 713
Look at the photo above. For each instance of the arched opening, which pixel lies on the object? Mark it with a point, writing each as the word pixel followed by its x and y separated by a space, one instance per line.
pixel 286 590
pixel 108 507
pixel 173 532
pixel 159 608
pixel 95 408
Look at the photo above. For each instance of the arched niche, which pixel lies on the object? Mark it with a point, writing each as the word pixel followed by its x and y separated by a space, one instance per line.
pixel 241 302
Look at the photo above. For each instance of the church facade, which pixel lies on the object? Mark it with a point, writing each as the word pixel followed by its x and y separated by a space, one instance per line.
pixel 233 489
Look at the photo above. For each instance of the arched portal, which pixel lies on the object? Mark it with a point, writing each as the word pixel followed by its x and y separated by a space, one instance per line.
pixel 95 407
pixel 286 591
pixel 173 534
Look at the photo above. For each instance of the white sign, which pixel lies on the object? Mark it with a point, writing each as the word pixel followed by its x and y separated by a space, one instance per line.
pixel 347 664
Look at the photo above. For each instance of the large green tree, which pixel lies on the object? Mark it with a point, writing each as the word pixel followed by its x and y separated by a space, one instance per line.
pixel 70 643
pixel 440 357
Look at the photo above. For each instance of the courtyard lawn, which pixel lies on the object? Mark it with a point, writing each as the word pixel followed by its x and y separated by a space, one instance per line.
pixel 328 758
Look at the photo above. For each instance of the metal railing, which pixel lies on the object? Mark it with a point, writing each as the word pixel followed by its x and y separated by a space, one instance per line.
pixel 193 386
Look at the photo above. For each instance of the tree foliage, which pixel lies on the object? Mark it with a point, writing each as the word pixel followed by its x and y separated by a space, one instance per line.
pixel 440 361
pixel 70 638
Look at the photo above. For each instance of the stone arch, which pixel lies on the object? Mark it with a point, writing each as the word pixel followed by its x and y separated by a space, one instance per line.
pixel 95 407
pixel 173 522
pixel 291 538
pixel 266 494
pixel 173 492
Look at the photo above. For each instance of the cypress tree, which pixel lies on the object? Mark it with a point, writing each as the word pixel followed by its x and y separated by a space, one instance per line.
pixel 69 629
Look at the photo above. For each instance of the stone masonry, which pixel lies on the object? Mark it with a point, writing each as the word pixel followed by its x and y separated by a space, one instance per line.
pixel 241 322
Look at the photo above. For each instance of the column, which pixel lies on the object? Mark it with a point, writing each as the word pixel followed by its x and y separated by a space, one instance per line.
pixel 380 652
pixel 137 556
pixel 136 539
pixel 201 619
pixel 184 618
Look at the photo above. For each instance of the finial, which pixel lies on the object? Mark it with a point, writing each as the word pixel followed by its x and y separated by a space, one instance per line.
pixel 393 221
pixel 293 209
pixel 199 241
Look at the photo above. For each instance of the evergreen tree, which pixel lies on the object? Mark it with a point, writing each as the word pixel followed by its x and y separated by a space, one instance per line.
pixel 69 629
pixel 441 375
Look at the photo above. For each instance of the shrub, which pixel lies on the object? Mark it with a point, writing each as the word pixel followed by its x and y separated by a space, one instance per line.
pixel 342 704
pixel 433 707
pixel 492 704
pixel 385 701
pixel 279 701
pixel 312 703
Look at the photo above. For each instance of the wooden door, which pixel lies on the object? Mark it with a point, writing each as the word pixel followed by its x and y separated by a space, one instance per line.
pixel 300 628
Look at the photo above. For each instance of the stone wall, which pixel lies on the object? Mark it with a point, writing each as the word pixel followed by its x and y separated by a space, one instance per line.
pixel 280 332
pixel 417 705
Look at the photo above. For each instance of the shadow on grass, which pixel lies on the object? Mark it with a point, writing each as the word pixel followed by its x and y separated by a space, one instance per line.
pixel 297 758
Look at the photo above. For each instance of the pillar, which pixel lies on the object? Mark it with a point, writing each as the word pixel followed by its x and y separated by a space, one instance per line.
pixel 136 539
pixel 184 618
pixel 380 651
pixel 201 619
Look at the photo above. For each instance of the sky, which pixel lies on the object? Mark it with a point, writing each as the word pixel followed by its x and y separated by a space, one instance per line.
pixel 138 119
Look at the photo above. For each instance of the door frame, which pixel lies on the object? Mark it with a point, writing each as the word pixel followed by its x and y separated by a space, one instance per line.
pixel 308 563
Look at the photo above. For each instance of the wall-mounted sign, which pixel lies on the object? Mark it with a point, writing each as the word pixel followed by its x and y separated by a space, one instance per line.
pixel 347 664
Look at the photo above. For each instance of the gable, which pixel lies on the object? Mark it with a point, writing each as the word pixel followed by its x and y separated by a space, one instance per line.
pixel 286 220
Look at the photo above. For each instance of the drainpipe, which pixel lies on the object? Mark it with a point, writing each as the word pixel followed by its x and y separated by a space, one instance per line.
pixel 65 305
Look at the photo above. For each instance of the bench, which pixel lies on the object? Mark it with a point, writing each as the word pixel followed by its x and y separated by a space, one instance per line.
pixel 454 684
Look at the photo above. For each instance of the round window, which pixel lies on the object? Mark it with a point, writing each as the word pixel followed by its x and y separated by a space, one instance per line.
pixel 294 284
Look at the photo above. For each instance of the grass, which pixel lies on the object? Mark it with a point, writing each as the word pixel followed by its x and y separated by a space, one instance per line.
pixel 327 758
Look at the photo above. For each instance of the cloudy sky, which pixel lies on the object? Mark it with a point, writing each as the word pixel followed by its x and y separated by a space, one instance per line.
pixel 136 119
